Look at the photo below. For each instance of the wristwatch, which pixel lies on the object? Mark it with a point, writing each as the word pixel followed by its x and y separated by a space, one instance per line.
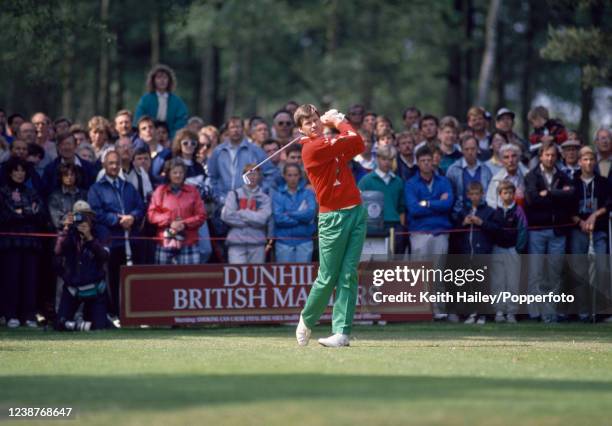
pixel 424 203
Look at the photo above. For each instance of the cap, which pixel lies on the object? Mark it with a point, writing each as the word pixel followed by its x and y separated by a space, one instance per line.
pixel 503 111
pixel 571 142
pixel 82 207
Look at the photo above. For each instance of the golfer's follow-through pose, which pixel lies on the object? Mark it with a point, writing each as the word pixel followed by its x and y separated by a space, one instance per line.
pixel 342 226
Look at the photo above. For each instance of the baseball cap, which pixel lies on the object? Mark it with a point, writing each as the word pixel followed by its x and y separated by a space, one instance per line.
pixel 571 142
pixel 503 111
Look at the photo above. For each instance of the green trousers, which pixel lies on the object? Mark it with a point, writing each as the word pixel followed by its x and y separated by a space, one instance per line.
pixel 341 237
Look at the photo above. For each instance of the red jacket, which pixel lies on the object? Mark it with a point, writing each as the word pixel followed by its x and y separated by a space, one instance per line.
pixel 165 207
pixel 326 163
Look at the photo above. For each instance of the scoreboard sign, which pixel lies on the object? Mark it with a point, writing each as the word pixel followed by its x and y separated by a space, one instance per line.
pixel 243 294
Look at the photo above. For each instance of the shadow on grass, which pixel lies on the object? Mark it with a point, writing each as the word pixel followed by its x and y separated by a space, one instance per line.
pixel 523 332
pixel 151 391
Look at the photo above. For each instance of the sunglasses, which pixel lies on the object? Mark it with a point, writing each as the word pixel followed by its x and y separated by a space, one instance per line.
pixel 284 123
pixel 188 143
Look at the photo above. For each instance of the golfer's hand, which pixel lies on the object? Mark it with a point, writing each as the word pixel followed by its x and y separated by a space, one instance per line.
pixel 332 118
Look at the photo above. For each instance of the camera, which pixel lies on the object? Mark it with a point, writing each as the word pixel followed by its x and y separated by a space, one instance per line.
pixel 78 218
pixel 78 325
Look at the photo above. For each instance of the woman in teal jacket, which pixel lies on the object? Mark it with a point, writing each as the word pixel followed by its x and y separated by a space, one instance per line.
pixel 160 102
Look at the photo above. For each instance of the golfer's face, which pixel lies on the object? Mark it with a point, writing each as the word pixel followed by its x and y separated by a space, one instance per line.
pixel 312 126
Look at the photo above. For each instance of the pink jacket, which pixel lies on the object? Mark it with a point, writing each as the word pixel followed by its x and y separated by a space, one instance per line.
pixel 165 207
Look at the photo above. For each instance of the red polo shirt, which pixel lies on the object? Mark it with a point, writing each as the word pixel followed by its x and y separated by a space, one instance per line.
pixel 327 165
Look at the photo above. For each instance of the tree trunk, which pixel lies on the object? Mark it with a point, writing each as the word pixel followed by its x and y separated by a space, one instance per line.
pixel 118 66
pixel 469 54
pixel 500 69
pixel 529 67
pixel 488 58
pixel 155 28
pixel 67 77
pixel 586 105
pixel 453 101
pixel 232 83
pixel 104 80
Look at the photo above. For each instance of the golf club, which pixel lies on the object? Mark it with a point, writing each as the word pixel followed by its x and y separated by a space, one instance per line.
pixel 245 177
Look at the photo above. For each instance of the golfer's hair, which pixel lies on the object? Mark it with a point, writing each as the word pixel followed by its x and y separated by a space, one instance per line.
pixel 303 112
pixel 388 152
pixel 250 166
pixel 505 185
pixel 475 186
pixel 424 151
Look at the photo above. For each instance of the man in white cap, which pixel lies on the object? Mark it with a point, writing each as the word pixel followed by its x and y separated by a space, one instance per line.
pixel 569 158
pixel 504 122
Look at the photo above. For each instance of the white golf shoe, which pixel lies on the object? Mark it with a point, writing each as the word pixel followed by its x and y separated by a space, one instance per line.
pixel 302 333
pixel 335 341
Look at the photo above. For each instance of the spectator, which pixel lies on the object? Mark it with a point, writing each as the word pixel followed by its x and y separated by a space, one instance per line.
pixel 447 135
pixel 86 152
pixel 369 124
pixel 43 127
pixel 603 143
pixel 382 179
pixel 509 240
pixel 14 121
pixel 36 154
pixel 504 122
pixel 383 125
pixel 162 134
pixel 62 125
pixel 494 163
pixel 511 172
pixel 477 121
pixel 5 149
pixel 406 166
pixel 282 126
pixel 147 137
pixel 386 137
pixel 591 207
pixel 246 211
pixel 84 258
pixel 100 135
pixel 294 209
pixel 429 200
pixel 549 195
pixel 27 133
pixel 136 175
pixel 228 160
pixel 184 146
pixel 478 218
pixel 428 126
pixel 213 134
pixel 177 211
pixel 464 171
pixel 355 115
pixel 81 137
pixel 260 132
pixel 123 124
pixel 66 148
pixel 195 124
pixel 21 211
pixel 291 106
pixel 67 193
pixel 19 149
pixel 118 207
pixel 411 117
pixel 160 102
pixel 545 130
pixel 204 150
pixel 569 163
pixel 270 146
pixel 367 159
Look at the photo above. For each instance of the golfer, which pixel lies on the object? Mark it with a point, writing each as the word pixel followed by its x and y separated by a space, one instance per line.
pixel 342 226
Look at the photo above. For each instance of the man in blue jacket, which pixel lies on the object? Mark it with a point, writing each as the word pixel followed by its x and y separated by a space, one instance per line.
pixel 429 200
pixel 294 209
pixel 118 208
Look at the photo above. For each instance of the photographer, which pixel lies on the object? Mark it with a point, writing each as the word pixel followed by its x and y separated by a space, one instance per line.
pixel 83 272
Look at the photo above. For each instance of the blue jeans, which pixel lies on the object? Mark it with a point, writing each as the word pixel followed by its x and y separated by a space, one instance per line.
pixel 546 256
pixel 590 285
pixel 301 253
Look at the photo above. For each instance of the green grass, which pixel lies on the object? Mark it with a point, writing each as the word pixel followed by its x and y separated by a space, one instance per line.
pixel 527 374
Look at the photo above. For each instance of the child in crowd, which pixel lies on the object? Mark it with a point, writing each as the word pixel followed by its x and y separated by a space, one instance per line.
pixel 508 241
pixel 478 220
pixel 545 129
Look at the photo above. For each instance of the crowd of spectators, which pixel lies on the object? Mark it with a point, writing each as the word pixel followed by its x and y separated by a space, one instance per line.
pixel 153 187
